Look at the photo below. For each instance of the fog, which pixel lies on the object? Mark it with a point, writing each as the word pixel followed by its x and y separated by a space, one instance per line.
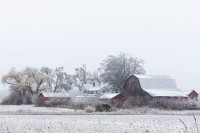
pixel 70 33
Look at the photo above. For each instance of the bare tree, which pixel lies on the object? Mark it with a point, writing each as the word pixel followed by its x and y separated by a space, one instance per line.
pixel 48 72
pixel 28 79
pixel 82 76
pixel 94 78
pixel 35 81
pixel 58 79
pixel 115 70
pixel 24 84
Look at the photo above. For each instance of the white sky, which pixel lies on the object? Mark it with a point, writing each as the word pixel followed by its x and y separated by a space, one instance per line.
pixel 69 33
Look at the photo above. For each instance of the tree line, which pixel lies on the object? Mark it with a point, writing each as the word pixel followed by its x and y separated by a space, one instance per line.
pixel 29 82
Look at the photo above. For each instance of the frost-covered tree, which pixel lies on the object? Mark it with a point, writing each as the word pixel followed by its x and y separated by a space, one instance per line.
pixel 36 81
pixel 23 84
pixel 30 79
pixel 115 70
pixel 82 76
pixel 94 78
pixel 58 79
pixel 49 73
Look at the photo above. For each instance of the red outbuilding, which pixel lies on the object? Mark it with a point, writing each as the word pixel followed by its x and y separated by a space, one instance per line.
pixel 49 98
pixel 192 94
pixel 113 97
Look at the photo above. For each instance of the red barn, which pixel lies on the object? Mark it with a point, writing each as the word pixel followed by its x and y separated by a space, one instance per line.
pixel 113 97
pixel 192 94
pixel 49 98
pixel 152 86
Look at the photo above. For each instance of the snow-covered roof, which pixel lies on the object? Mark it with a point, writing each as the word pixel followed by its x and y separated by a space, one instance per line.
pixel 87 86
pixel 86 96
pixel 95 88
pixel 109 95
pixel 187 92
pixel 90 87
pixel 165 93
pixel 51 94
pixel 157 82
pixel 159 85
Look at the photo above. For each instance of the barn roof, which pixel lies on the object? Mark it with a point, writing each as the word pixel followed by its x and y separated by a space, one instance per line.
pixel 165 93
pixel 59 95
pixel 90 87
pixel 159 85
pixel 87 86
pixel 109 95
pixel 157 82
pixel 187 92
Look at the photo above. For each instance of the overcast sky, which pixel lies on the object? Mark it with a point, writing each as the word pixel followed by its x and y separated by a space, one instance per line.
pixel 69 33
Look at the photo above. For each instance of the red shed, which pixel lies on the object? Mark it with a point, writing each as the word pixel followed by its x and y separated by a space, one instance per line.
pixel 113 97
pixel 46 98
pixel 192 94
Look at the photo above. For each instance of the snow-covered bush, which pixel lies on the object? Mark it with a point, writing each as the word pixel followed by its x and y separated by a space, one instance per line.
pixel 174 104
pixel 164 103
pixel 17 97
pixel 58 102
pixel 12 99
pixel 136 101
pixel 81 104
pixel 89 109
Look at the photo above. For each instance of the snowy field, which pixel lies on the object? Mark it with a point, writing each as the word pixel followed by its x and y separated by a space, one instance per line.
pixel 30 119
pixel 32 110
pixel 97 124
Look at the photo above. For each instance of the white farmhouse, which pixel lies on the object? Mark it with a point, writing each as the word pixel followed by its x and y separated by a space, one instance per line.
pixel 94 89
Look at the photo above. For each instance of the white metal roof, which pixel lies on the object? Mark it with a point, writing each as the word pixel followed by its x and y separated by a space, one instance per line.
pixel 187 92
pixel 166 93
pixel 59 95
pixel 90 87
pixel 158 86
pixel 87 86
pixel 109 96
pixel 86 96
pixel 157 82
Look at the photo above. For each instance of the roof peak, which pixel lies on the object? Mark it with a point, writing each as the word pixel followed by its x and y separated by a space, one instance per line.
pixel 151 76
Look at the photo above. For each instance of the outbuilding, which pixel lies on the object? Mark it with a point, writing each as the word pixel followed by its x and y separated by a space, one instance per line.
pixel 49 98
pixel 152 86
pixel 192 94
pixel 113 97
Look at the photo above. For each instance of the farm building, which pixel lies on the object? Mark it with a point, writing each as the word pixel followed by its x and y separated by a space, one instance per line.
pixel 113 97
pixel 192 94
pixel 93 89
pixel 153 86
pixel 90 92
pixel 46 98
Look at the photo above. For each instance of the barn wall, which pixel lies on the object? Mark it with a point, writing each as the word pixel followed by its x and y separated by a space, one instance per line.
pixel 42 100
pixel 119 98
pixel 133 87
pixel 57 101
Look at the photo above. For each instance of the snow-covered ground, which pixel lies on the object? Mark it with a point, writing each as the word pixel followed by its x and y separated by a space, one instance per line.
pixel 97 123
pixel 27 118
pixel 32 110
